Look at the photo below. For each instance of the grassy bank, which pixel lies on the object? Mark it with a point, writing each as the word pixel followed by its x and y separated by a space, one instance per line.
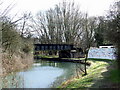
pixel 47 56
pixel 98 76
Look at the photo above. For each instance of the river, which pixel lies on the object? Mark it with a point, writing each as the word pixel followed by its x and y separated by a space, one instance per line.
pixel 42 74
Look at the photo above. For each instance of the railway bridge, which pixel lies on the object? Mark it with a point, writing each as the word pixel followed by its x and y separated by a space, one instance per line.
pixel 65 50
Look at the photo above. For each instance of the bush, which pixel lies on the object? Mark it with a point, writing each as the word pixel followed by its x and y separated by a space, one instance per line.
pixel 10 38
pixel 26 48
pixel 12 42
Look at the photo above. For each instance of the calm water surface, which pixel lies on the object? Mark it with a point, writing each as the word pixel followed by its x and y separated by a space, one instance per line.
pixel 43 74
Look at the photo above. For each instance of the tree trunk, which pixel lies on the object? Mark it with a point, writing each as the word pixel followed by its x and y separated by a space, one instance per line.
pixel 86 64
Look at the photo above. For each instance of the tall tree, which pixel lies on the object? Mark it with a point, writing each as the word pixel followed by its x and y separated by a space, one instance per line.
pixel 113 28
pixel 24 25
pixel 88 39
pixel 100 31
pixel 61 24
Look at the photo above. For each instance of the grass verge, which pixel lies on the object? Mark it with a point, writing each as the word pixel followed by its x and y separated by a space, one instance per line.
pixel 94 74
pixel 47 56
pixel 116 74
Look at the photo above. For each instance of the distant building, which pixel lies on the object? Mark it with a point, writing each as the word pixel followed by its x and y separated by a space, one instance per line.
pixel 103 52
pixel 106 47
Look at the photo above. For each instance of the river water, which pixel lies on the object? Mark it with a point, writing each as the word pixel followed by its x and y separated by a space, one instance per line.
pixel 43 74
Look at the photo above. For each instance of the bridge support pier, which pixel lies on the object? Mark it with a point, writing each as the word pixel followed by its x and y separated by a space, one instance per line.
pixel 64 54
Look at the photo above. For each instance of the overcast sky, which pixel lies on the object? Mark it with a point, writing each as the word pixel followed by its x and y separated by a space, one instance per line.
pixel 93 7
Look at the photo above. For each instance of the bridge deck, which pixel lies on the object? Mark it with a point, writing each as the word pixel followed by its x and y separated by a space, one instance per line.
pixel 43 47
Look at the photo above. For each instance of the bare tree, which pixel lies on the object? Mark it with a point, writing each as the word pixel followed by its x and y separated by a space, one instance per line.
pixel 87 39
pixel 24 25
pixel 7 9
pixel 60 25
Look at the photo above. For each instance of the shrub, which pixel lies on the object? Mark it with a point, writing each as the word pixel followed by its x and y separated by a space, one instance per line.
pixel 26 48
pixel 10 38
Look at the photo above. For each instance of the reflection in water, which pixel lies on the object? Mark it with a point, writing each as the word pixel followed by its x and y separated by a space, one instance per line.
pixel 43 74
pixel 12 81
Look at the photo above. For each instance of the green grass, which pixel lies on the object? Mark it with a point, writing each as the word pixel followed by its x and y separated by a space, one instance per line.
pixel 48 56
pixel 96 59
pixel 94 73
pixel 115 76
pixel 100 73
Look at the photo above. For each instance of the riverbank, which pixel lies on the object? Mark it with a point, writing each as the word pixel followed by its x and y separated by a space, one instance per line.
pixel 15 63
pixel 73 60
pixel 101 74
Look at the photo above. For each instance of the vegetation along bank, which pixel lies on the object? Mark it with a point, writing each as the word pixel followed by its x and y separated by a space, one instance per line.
pixel 16 50
pixel 101 74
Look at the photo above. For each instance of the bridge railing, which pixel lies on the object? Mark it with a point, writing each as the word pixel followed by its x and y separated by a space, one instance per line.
pixel 43 47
